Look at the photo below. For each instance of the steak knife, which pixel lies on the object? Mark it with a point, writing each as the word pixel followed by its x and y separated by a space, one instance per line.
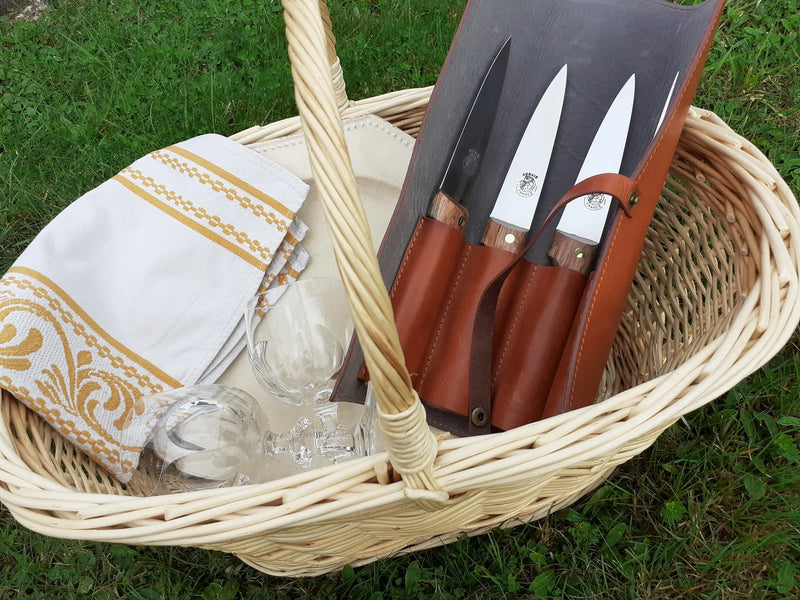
pixel 446 205
pixel 581 224
pixel 516 202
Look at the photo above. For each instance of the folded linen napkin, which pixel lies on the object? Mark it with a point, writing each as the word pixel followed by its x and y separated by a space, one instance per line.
pixel 139 286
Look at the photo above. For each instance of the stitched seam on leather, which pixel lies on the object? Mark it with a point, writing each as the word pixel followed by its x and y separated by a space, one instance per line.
pixel 615 237
pixel 442 319
pixel 512 327
pixel 403 265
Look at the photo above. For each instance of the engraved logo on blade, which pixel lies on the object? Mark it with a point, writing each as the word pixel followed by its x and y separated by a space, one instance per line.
pixel 527 185
pixel 471 162
pixel 595 201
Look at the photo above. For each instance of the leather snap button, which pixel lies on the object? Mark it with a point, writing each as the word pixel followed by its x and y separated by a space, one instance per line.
pixel 478 417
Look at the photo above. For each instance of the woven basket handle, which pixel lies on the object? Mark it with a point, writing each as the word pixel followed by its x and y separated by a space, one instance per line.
pixel 411 444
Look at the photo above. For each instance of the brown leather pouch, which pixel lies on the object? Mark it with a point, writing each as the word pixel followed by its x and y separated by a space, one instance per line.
pixel 444 308
pixel 513 336
pixel 447 291
pixel 436 304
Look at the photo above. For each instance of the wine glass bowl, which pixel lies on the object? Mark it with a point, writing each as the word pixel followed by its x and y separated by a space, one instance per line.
pixel 208 436
pixel 297 336
pixel 213 435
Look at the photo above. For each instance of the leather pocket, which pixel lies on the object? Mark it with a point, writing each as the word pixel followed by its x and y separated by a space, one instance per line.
pixel 421 289
pixel 533 331
pixel 444 378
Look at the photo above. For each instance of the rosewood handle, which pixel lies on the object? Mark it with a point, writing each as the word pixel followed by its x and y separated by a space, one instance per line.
pixel 571 254
pixel 502 236
pixel 446 210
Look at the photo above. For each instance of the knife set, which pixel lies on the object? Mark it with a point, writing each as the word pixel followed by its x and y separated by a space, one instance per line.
pixel 535 175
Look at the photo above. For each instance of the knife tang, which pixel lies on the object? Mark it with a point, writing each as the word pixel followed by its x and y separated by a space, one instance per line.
pixel 446 210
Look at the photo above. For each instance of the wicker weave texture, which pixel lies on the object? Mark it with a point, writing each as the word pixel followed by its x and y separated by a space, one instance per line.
pixel 715 296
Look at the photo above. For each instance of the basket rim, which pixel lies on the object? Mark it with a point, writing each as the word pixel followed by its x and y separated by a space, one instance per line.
pixel 460 461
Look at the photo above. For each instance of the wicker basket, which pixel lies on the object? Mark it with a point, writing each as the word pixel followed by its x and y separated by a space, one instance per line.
pixel 715 297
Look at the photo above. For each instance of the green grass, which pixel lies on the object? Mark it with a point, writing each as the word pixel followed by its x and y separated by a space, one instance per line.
pixel 712 510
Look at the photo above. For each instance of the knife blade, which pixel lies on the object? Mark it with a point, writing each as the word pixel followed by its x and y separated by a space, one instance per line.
pixel 666 104
pixel 580 227
pixel 465 161
pixel 519 194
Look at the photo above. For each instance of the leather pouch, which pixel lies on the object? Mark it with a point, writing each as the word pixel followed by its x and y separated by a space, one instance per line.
pixel 436 304
pixel 513 336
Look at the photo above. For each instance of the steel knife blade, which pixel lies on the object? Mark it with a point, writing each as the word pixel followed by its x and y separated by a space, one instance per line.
pixel 666 104
pixel 580 227
pixel 519 194
pixel 465 161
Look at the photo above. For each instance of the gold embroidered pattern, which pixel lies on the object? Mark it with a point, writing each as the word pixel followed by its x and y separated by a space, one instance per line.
pixel 84 326
pixel 288 245
pixel 204 178
pixel 177 215
pixel 88 386
pixel 13 356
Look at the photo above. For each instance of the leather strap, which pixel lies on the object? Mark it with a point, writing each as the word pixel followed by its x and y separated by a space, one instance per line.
pixel 625 193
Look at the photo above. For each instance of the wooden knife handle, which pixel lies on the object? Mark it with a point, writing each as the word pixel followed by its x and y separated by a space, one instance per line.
pixel 571 254
pixel 446 210
pixel 502 236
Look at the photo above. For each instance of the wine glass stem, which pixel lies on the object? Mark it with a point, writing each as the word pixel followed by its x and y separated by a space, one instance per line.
pixel 336 444
pixel 303 443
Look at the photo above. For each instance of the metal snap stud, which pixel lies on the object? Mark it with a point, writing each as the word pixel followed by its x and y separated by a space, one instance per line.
pixel 478 417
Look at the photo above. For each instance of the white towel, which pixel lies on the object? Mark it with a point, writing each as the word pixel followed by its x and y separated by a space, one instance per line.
pixel 139 286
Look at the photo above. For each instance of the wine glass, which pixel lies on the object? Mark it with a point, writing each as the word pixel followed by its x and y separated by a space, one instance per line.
pixel 217 436
pixel 297 335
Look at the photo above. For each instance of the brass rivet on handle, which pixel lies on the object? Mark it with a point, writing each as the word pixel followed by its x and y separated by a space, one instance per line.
pixel 461 221
pixel 510 238
pixel 633 199
pixel 579 252
pixel 478 417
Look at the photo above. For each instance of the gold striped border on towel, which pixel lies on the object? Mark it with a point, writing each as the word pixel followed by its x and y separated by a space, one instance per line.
pixel 221 173
pixel 254 253
pixel 88 387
